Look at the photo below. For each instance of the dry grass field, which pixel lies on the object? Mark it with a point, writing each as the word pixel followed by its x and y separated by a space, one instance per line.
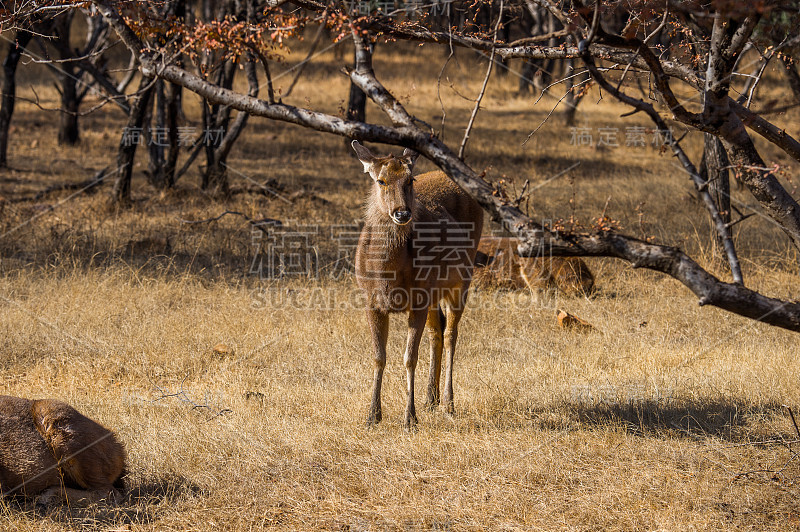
pixel 668 417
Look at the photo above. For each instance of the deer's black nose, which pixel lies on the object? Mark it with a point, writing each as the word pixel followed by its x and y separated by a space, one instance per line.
pixel 401 217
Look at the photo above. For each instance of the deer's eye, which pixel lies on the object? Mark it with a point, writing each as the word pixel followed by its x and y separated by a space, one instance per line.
pixel 381 182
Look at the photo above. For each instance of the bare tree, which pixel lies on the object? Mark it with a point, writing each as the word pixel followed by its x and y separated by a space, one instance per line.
pixel 139 103
pixel 72 86
pixel 162 136
pixel 220 133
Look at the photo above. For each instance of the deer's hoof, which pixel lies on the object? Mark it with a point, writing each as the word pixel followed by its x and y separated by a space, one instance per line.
pixel 373 418
pixel 431 402
pixel 411 419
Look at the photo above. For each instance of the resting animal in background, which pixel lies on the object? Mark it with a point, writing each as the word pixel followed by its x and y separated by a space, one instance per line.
pixel 49 448
pixel 415 255
pixel 497 265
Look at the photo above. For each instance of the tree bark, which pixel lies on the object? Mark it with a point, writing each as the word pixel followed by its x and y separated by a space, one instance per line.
pixel 216 118
pixel 576 90
pixel 163 147
pixel 15 49
pixel 162 138
pixel 130 139
pixel 68 132
pixel 714 171
pixel 356 103
pixel 174 97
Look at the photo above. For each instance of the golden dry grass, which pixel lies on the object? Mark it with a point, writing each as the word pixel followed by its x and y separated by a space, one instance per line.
pixel 665 419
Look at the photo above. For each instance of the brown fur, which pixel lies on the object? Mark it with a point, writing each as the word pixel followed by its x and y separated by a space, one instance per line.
pixel 499 266
pixel 48 446
pixel 420 268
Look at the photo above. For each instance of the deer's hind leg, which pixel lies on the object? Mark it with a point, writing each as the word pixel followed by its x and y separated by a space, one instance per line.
pixel 435 324
pixel 416 325
pixel 453 309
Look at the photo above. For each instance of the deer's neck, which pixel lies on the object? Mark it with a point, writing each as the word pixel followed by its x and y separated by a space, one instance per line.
pixel 380 224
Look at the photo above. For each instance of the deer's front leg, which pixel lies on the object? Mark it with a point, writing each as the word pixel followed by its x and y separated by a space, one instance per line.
pixel 379 327
pixel 416 324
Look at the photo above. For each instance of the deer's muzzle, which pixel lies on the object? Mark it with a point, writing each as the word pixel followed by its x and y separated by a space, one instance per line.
pixel 401 217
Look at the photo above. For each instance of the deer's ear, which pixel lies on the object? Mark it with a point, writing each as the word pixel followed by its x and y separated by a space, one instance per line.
pixel 364 155
pixel 410 155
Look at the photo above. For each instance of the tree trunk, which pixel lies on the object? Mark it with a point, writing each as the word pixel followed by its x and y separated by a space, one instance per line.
pixel 215 178
pixel 130 139
pixel 156 138
pixel 714 171
pixel 575 91
pixel 174 110
pixel 762 183
pixel 356 108
pixel 163 142
pixel 356 103
pixel 15 50
pixel 216 119
pixel 68 132
pixel 162 138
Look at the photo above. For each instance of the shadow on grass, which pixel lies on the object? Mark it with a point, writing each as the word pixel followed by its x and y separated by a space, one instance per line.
pixel 141 504
pixel 728 420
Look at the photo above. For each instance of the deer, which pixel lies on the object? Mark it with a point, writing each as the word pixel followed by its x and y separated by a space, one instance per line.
pixel 415 255
pixel 497 265
pixel 48 448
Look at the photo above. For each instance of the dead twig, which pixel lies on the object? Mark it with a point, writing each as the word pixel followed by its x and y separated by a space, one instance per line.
pixel 182 396
pixel 260 224
pixel 302 65
pixel 439 89
pixel 521 194
pixel 794 422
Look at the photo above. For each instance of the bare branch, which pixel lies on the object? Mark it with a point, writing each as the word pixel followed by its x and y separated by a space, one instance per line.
pixel 483 87
pixel 551 7
pixel 539 38
pixel 302 65
pixel 364 77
